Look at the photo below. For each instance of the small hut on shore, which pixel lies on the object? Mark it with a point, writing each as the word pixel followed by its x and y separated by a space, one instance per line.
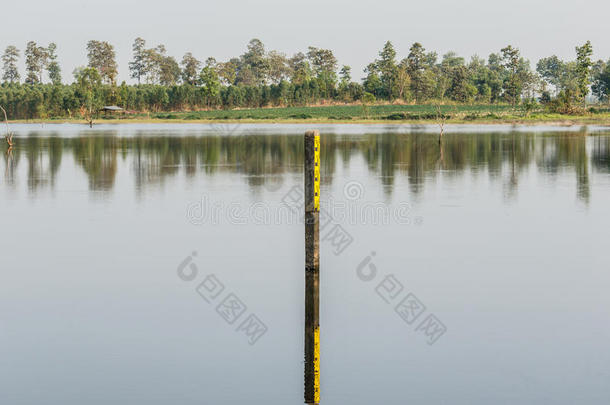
pixel 111 109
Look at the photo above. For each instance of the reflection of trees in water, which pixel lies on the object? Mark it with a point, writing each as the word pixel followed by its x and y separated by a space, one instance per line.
pixel 10 162
pixel 267 158
pixel 600 156
pixel 43 157
pixel 98 158
pixel 567 152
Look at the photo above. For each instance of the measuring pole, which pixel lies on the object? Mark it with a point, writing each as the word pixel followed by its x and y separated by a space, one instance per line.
pixel 312 267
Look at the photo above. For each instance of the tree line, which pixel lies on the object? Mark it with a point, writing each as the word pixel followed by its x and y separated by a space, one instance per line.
pixel 260 78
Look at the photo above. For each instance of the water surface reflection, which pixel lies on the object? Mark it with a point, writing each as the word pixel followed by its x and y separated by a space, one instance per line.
pixel 266 159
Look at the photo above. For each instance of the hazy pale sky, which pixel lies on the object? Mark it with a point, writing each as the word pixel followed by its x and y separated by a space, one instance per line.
pixel 354 30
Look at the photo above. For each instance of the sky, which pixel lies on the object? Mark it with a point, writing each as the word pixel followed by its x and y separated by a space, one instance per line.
pixel 354 30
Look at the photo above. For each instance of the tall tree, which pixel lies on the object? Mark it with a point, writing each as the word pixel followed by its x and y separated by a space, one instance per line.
pixel 387 69
pixel 324 65
pixel 346 74
pixel 278 67
pixel 153 60
pixel 190 68
pixel 169 71
pixel 323 61
pixel 372 81
pixel 53 68
pixel 9 64
pixel 88 86
pixel 137 67
pixel 210 84
pixel 227 71
pixel 255 62
pixel 101 56
pixel 512 84
pixel 35 62
pixel 583 69
pixel 416 68
pixel 601 81
pixel 300 68
pixel 403 80
pixel 551 70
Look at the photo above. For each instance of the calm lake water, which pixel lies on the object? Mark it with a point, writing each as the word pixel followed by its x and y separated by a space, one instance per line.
pixel 158 264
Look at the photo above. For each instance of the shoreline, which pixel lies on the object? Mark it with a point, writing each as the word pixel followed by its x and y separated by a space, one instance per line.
pixel 605 121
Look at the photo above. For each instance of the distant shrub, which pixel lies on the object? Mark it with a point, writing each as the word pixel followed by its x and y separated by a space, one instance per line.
pixel 368 98
pixel 166 116
pixel 397 116
pixel 563 104
pixel 545 98
pixel 529 105
pixel 427 116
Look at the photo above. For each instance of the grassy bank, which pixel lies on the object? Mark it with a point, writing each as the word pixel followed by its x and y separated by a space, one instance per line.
pixel 424 114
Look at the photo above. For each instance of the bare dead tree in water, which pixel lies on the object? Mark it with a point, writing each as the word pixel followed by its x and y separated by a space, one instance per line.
pixel 87 114
pixel 9 135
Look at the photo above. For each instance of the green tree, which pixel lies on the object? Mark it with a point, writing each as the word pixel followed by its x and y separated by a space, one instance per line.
pixel 484 79
pixel 513 84
pixel 386 65
pixel 169 71
pixel 450 78
pixel 346 74
pixel 137 67
pixel 88 85
pixel 403 81
pixel 255 63
pixel 551 70
pixel 322 61
pixel 210 84
pixel 416 66
pixel 454 80
pixel 278 67
pixel 601 81
pixel 102 57
pixel 227 71
pixel 300 68
pixel 190 67
pixel 35 61
pixel 324 65
pixel 9 64
pixel 344 84
pixel 155 64
pixel 372 81
pixel 53 68
pixel 583 69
